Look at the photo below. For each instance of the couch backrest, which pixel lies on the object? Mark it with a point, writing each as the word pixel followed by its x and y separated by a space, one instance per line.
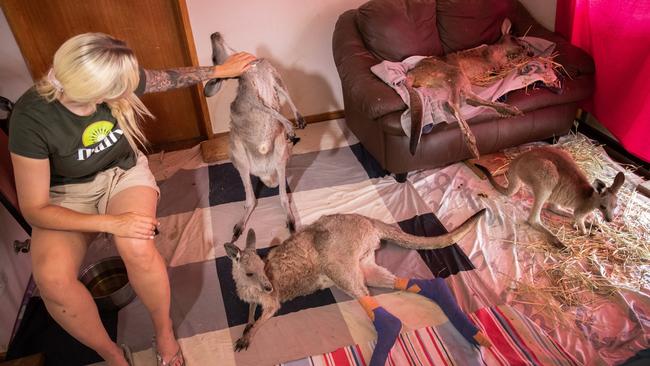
pixel 464 24
pixel 395 29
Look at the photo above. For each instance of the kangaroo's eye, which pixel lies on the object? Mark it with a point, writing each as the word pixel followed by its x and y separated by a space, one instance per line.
pixel 603 207
pixel 249 274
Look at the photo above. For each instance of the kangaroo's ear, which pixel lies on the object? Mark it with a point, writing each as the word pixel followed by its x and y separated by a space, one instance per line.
pixel 232 251
pixel 250 239
pixel 599 186
pixel 506 26
pixel 618 182
pixel 212 87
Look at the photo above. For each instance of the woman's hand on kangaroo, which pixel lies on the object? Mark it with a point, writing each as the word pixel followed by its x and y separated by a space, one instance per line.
pixel 132 225
pixel 234 66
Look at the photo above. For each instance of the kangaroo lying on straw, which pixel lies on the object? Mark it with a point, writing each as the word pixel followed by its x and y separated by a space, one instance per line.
pixel 340 250
pixel 261 138
pixel 554 177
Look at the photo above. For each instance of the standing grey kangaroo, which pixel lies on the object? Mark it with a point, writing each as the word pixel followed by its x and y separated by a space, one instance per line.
pixel 339 250
pixel 261 138
pixel 555 178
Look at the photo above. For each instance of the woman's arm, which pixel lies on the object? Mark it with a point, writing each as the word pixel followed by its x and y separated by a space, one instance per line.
pixel 33 188
pixel 161 80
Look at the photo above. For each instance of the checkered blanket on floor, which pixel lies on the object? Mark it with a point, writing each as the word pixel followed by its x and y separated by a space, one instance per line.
pixel 330 172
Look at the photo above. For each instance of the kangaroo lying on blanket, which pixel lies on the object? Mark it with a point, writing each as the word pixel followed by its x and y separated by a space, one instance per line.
pixel 340 250
pixel 260 137
pixel 554 177
pixel 452 76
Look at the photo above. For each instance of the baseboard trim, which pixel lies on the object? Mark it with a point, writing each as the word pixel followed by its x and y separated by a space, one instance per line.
pixel 321 117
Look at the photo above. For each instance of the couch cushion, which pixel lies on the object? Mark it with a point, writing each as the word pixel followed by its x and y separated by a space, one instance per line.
pixel 464 24
pixel 395 29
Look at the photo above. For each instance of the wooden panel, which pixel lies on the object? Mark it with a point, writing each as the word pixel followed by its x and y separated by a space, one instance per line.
pixel 157 30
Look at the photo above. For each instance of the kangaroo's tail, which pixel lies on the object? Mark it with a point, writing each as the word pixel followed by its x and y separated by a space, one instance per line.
pixel 405 240
pixel 501 189
pixel 417 118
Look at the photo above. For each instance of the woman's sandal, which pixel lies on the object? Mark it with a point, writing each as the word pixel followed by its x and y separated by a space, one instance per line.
pixel 172 362
pixel 127 354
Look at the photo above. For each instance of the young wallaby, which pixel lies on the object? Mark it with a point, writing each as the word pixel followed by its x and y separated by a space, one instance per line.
pixel 261 138
pixel 555 178
pixel 340 250
pixel 450 76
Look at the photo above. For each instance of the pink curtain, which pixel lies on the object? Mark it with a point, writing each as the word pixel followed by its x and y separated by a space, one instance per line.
pixel 617 35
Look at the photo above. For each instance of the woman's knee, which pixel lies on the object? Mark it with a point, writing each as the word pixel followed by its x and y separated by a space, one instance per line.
pixel 137 254
pixel 53 283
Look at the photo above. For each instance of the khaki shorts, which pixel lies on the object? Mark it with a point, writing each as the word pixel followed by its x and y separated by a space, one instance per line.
pixel 93 197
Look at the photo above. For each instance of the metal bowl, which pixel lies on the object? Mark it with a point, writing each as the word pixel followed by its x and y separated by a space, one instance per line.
pixel 108 283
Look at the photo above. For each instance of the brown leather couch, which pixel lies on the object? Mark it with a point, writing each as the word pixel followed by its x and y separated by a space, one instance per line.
pixel 395 29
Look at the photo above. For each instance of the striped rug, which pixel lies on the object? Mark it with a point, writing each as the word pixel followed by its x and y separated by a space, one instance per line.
pixel 516 341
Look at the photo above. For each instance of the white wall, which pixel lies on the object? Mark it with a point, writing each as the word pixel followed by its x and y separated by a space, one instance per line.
pixel 543 11
pixel 295 35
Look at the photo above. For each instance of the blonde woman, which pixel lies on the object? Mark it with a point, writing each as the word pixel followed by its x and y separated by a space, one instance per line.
pixel 73 141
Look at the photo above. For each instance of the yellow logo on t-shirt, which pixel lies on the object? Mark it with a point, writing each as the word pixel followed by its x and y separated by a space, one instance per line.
pixel 96 132
pixel 101 136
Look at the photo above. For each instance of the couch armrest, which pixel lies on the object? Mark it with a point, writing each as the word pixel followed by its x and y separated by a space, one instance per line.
pixel 575 60
pixel 353 61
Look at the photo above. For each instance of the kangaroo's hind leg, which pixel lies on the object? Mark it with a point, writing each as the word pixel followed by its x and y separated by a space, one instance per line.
pixel 468 136
pixel 243 168
pixel 541 196
pixel 351 281
pixel 558 210
pixel 281 158
pixel 503 109
pixel 435 289
pixel 377 276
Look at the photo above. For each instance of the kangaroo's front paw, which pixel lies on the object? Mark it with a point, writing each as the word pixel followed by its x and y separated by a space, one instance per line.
pixel 557 243
pixel 293 139
pixel 301 121
pixel 291 225
pixel 516 112
pixel 593 226
pixel 507 110
pixel 236 232
pixel 581 228
pixel 242 344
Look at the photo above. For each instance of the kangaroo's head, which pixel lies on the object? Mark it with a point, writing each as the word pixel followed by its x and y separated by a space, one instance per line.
pixel 545 69
pixel 247 266
pixel 510 46
pixel 606 197
pixel 220 52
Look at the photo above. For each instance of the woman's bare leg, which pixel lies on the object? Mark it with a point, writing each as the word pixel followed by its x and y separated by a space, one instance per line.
pixel 146 268
pixel 56 257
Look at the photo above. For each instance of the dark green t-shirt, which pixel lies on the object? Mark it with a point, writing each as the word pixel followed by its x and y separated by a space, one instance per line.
pixel 78 147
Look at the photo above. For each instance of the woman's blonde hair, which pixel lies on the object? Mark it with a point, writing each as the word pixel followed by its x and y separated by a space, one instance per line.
pixel 94 67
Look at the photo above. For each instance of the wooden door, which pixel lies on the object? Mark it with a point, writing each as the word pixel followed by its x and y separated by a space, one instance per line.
pixel 159 33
